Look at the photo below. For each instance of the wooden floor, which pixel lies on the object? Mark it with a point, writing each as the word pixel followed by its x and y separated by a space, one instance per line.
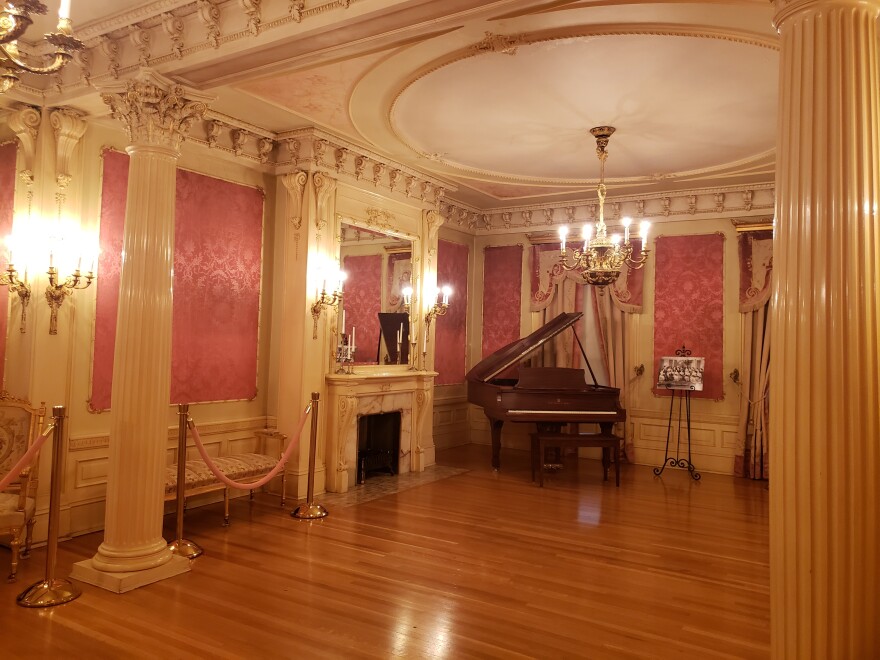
pixel 478 565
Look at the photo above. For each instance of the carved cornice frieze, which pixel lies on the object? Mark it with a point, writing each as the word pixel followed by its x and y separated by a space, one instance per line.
pixel 312 148
pixel 167 30
pixel 702 203
pixel 155 110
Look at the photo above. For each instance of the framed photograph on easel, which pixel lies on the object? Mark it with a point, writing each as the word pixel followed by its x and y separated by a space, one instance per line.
pixel 681 373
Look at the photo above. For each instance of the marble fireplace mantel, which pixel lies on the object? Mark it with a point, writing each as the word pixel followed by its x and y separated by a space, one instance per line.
pixel 373 391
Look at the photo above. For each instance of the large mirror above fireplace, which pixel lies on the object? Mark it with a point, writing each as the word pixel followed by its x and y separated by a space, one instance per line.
pixel 378 264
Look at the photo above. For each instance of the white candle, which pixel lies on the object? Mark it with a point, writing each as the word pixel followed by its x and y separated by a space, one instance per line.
pixel 51 259
pixel 644 233
pixel 342 330
pixel 587 233
pixel 353 329
pixel 446 291
pixel 400 334
pixel 626 223
pixel 563 232
pixel 79 263
pixel 64 9
pixel 425 345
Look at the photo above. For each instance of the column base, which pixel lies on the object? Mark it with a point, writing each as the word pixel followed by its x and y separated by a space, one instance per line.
pixel 119 583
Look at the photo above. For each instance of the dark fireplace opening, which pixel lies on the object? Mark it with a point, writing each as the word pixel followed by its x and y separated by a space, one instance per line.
pixel 378 444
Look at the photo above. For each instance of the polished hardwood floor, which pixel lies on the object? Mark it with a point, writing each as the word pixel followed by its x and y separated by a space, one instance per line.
pixel 476 565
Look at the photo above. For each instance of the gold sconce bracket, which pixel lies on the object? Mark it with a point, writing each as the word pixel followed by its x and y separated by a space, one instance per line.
pixel 19 287
pixel 324 300
pixel 57 291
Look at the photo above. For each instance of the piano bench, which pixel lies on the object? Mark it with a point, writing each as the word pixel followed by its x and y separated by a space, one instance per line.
pixel 610 445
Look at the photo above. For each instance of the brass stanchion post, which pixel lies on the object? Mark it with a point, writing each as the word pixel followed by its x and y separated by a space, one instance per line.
pixel 310 510
pixel 52 591
pixel 180 545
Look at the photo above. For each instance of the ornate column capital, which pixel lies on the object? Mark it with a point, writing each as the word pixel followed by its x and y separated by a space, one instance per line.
pixel 156 111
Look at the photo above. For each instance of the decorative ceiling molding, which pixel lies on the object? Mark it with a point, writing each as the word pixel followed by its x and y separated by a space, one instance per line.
pixel 169 32
pixel 681 205
pixel 313 148
pixel 494 43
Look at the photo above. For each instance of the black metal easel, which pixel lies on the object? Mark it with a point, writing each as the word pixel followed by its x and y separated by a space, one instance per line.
pixel 677 461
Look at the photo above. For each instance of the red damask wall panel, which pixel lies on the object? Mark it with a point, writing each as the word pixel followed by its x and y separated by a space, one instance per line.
pixel 362 303
pixel 502 296
pixel 217 271
pixel 451 337
pixel 689 304
pixel 7 208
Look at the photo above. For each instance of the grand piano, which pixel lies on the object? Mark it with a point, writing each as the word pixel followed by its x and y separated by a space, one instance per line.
pixel 547 396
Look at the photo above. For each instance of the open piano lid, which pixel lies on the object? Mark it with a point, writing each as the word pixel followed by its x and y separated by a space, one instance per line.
pixel 491 366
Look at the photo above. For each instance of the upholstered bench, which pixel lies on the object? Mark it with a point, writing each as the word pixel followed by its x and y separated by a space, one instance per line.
pixel 238 467
pixel 609 443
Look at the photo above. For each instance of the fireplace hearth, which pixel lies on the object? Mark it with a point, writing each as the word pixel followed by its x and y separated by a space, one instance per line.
pixel 378 444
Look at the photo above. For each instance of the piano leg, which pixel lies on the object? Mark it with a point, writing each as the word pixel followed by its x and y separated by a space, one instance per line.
pixel 495 426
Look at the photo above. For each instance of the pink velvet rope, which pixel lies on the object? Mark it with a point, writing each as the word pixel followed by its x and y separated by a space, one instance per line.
pixel 255 484
pixel 15 472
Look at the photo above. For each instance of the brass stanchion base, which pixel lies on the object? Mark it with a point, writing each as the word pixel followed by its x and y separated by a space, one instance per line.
pixel 309 512
pixel 48 593
pixel 185 548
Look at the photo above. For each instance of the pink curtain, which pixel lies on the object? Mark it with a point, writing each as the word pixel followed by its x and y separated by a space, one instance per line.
pixel 8 153
pixel 689 304
pixel 502 296
pixel 217 274
pixel 451 336
pixel 752 457
pixel 362 303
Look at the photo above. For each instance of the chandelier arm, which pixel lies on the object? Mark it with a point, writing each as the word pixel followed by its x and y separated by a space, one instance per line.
pixel 10 52
pixel 22 23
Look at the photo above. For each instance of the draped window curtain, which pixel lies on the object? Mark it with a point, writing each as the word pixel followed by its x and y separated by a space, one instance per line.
pixel 610 317
pixel 756 265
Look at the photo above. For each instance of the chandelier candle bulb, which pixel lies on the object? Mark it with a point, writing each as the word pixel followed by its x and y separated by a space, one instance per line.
pixel 615 239
pixel 64 10
pixel 587 233
pixel 446 292
pixel 563 232
pixel 643 233
pixel 626 223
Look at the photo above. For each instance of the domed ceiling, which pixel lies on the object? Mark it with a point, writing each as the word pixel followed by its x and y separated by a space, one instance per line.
pixel 502 107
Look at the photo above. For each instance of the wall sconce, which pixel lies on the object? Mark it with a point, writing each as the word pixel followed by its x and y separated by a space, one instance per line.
pixel 57 290
pixel 440 307
pixel 323 299
pixel 407 293
pixel 20 287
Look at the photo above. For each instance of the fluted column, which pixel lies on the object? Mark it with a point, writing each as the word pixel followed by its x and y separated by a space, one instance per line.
pixel 825 346
pixel 157 115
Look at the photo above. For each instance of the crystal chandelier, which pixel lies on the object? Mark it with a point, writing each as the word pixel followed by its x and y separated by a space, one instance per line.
pixel 15 19
pixel 602 257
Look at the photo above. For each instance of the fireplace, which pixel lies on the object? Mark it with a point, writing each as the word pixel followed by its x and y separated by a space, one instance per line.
pixel 354 397
pixel 378 444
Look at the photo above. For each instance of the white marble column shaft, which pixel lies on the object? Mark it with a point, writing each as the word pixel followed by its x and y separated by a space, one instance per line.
pixel 825 342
